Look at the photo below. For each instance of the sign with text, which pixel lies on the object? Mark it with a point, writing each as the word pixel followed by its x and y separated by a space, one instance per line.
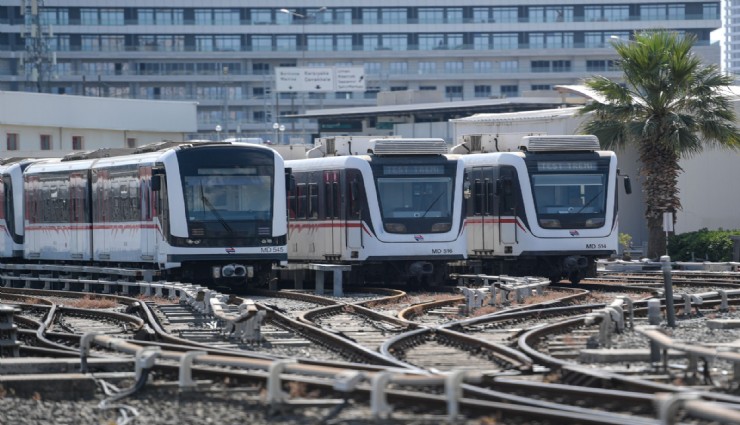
pixel 293 79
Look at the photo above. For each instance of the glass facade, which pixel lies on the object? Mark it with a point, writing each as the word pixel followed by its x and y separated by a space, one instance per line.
pixel 224 56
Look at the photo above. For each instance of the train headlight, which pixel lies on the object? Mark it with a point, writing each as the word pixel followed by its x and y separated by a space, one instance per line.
pixel 228 270
pixel 595 222
pixel 395 227
pixel 441 227
pixel 550 223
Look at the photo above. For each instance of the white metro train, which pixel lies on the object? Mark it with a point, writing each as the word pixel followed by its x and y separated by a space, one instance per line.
pixel 212 213
pixel 539 205
pixel 407 210
pixel 394 214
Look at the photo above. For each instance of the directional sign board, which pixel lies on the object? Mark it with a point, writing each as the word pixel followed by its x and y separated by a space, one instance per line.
pixel 333 79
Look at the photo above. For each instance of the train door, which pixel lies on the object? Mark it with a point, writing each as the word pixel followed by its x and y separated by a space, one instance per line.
pixel 102 207
pixel 482 188
pixel 507 187
pixel 81 234
pixel 146 210
pixel 353 201
pixel 31 188
pixel 333 235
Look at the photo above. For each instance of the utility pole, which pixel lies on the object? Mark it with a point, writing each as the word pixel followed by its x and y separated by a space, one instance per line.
pixel 37 61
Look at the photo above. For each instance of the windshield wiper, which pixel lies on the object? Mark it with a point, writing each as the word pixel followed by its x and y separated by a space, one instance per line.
pixel 589 201
pixel 432 204
pixel 215 212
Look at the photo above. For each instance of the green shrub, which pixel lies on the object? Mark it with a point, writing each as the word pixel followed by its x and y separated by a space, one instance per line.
pixel 702 245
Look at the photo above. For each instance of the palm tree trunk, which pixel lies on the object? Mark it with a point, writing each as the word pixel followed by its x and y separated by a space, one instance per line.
pixel 656 238
pixel 660 169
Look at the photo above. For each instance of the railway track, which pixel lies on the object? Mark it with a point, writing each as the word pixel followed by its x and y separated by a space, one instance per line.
pixel 518 363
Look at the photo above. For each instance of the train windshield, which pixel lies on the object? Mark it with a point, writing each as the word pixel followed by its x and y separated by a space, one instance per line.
pixel 570 194
pixel 416 198
pixel 216 196
pixel 227 192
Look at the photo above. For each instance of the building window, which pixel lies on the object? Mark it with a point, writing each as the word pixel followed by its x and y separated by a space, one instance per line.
pixel 509 66
pixel 505 41
pixel 12 141
pixel 509 90
pixel 130 142
pixel 600 65
pixel 427 88
pixel 399 67
pixel 76 143
pixel 45 142
pixel 372 67
pixel 541 87
pixel 540 66
pixel 427 67
pixel 482 66
pixel 454 92
pixel 561 66
pixel 483 91
pixel 454 67
pixel 261 68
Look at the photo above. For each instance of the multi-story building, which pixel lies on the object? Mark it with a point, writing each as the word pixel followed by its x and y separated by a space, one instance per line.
pixel 223 53
pixel 731 32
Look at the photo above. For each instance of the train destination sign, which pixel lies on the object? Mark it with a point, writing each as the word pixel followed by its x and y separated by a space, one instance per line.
pixel 327 79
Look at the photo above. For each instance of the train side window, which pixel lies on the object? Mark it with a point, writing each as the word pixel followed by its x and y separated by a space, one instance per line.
pixel 356 192
pixel 313 201
pixel 331 194
pixel 145 193
pixel 507 191
pixel 3 213
pixel 478 196
pixel 300 211
pixel 292 201
pixel 489 186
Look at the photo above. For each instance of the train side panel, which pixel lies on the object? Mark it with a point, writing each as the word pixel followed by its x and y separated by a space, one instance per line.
pixel 57 225
pixel 123 225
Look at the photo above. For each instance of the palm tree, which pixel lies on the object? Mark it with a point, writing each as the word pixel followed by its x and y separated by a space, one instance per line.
pixel 670 106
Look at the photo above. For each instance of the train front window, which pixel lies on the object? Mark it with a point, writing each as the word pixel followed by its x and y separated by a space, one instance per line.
pixel 572 200
pixel 416 198
pixel 217 196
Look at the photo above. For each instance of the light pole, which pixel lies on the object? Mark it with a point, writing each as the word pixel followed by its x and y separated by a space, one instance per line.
pixel 279 129
pixel 218 131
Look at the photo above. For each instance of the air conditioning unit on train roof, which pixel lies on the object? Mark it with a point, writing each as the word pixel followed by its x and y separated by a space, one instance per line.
pixel 490 142
pixel 560 143
pixel 343 145
pixel 517 142
pixel 388 147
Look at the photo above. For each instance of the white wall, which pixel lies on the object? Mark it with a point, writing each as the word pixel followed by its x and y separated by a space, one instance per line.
pixel 53 110
pixel 101 122
pixel 709 192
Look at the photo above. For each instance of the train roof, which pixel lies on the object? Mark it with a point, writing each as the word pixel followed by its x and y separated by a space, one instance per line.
pixel 146 154
pixel 330 161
